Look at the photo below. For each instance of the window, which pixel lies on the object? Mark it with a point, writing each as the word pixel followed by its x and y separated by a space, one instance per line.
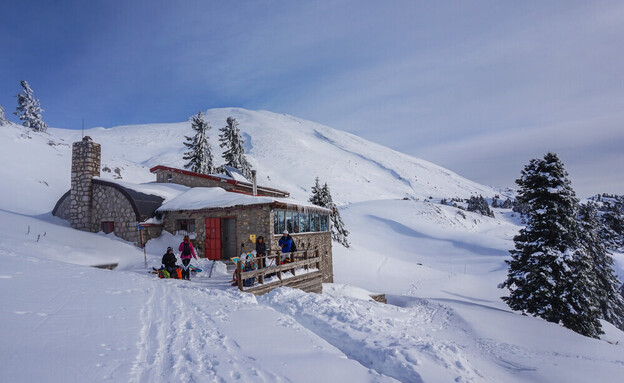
pixel 108 227
pixel 296 222
pixel 314 224
pixel 289 222
pixel 299 222
pixel 324 223
pixel 304 222
pixel 185 227
pixel 279 223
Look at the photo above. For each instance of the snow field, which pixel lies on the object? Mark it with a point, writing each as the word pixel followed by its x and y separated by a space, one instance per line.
pixel 62 321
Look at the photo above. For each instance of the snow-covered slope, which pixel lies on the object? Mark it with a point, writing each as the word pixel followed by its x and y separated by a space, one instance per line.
pixel 288 153
pixel 64 321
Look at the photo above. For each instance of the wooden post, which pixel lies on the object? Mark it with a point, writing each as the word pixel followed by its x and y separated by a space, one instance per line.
pixel 305 258
pixel 278 258
pixel 261 276
pixel 239 269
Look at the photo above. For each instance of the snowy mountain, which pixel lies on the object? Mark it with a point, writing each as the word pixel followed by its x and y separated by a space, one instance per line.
pixel 440 267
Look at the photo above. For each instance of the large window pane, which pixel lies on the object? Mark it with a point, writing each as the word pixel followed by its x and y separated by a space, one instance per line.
pixel 324 223
pixel 289 222
pixel 314 222
pixel 295 222
pixel 304 222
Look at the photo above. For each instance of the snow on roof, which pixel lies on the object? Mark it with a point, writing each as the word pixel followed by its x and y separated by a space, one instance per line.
pixel 167 191
pixel 235 174
pixel 207 198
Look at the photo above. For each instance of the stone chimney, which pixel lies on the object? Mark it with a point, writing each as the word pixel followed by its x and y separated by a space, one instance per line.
pixel 86 158
pixel 255 183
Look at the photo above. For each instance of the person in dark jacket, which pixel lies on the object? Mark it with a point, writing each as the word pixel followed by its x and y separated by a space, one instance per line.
pixel 169 261
pixel 261 252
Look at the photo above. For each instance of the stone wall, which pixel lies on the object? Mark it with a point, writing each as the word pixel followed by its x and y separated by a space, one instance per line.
pixel 86 158
pixel 251 220
pixel 109 204
pixel 310 241
pixel 61 210
pixel 189 180
pixel 170 175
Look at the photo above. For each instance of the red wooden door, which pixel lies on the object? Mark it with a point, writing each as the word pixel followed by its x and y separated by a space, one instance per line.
pixel 213 238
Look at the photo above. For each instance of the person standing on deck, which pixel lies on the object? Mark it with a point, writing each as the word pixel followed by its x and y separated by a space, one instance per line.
pixel 285 243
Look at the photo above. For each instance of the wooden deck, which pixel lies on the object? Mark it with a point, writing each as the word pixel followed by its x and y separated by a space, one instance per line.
pixel 304 273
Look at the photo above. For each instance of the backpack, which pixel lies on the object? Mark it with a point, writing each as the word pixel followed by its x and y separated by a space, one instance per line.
pixel 164 274
pixel 293 247
pixel 187 249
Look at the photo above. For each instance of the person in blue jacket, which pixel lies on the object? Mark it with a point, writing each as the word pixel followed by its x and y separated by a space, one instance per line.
pixel 285 243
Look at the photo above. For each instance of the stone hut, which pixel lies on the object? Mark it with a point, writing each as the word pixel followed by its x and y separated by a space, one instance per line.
pixel 222 215
pixel 224 224
pixel 94 204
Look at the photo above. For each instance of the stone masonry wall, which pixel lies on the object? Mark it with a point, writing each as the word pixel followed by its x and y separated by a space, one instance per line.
pixel 164 176
pixel 109 204
pixel 252 220
pixel 63 209
pixel 305 241
pixel 190 181
pixel 86 158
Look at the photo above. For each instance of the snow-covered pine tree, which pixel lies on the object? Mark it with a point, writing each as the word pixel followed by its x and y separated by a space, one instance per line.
pixel 607 285
pixel 3 119
pixel 234 155
pixel 29 110
pixel 339 232
pixel 508 204
pixel 480 205
pixel 316 196
pixel 199 156
pixel 548 273
pixel 612 217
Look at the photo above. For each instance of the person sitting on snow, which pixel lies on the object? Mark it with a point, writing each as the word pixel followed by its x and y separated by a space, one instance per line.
pixel 169 261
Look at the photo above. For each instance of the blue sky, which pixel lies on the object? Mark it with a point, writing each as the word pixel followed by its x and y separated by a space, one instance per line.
pixel 477 87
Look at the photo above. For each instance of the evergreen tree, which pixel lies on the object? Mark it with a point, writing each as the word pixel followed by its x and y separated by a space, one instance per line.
pixel 508 204
pixel 612 217
pixel 199 156
pixel 316 197
pixel 479 204
pixel 549 273
pixel 234 155
pixel 29 110
pixel 3 119
pixel 607 285
pixel 339 232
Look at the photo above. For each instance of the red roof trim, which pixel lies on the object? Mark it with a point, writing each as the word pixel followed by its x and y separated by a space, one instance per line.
pixel 213 178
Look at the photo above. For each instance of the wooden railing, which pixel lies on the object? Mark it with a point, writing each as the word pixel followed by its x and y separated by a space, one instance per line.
pixel 310 281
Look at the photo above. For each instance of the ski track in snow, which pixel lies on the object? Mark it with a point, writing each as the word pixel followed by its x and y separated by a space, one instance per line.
pixel 180 338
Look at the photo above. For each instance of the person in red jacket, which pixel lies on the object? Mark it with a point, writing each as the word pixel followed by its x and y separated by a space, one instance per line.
pixel 187 251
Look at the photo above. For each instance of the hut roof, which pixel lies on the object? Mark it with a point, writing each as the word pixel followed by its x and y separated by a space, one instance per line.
pixel 210 198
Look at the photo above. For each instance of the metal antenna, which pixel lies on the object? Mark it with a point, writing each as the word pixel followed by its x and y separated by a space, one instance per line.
pixel 83 128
